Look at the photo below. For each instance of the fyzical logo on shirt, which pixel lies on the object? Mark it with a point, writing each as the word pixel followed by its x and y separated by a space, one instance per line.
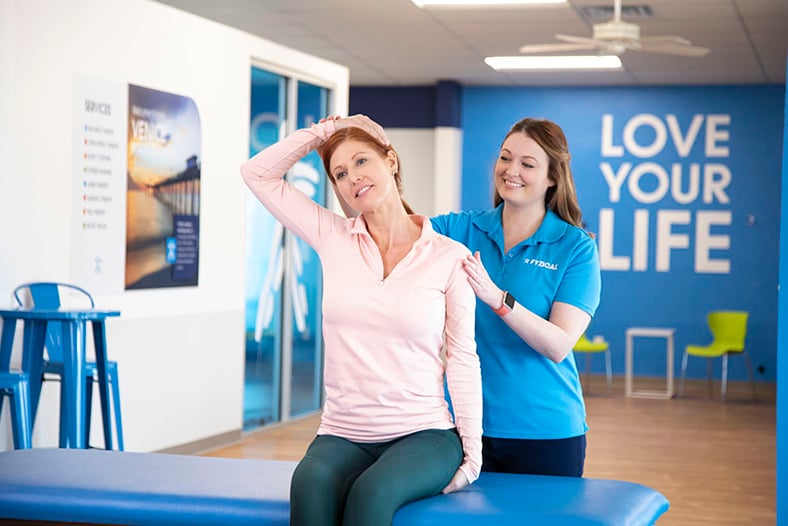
pixel 540 263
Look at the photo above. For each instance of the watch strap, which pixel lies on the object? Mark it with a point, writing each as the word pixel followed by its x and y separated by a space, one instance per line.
pixel 504 308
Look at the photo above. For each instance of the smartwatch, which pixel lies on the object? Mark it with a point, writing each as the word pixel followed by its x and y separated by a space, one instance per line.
pixel 506 305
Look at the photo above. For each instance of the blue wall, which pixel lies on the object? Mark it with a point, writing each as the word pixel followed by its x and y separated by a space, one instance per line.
pixel 782 344
pixel 717 248
pixel 404 107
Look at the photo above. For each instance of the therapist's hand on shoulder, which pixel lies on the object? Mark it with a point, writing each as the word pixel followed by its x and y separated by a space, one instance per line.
pixel 480 281
pixel 458 481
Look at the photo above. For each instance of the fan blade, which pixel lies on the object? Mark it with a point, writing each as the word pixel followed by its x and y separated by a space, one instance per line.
pixel 666 39
pixel 685 51
pixel 578 40
pixel 549 48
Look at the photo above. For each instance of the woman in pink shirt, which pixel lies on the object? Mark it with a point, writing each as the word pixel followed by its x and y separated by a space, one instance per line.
pixel 395 296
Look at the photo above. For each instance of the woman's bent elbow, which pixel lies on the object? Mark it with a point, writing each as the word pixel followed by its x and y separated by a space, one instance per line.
pixel 559 356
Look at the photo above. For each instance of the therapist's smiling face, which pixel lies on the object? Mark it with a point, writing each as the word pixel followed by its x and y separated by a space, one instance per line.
pixel 521 171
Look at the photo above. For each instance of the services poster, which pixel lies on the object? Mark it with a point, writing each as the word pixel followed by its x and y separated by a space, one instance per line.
pixel 98 184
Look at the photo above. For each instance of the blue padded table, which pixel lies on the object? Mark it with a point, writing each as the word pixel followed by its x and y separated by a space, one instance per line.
pixel 112 487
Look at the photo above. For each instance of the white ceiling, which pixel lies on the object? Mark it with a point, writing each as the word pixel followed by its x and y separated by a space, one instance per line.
pixel 394 43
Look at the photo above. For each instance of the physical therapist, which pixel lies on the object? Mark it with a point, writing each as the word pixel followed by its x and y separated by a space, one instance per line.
pixel 535 271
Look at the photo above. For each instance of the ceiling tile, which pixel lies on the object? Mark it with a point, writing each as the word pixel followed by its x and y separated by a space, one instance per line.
pixel 393 42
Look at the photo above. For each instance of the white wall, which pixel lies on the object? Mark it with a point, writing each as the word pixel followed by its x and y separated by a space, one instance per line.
pixel 180 350
pixel 415 148
pixel 6 137
pixel 432 164
pixel 447 181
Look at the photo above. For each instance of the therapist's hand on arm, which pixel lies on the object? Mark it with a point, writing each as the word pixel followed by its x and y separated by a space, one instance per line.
pixel 552 338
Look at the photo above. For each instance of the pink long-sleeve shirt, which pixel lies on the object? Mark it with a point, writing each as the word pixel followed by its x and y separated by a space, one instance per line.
pixel 383 338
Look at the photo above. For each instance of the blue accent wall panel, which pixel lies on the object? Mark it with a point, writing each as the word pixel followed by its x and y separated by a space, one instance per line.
pixel 448 104
pixel 782 344
pixel 681 186
pixel 404 107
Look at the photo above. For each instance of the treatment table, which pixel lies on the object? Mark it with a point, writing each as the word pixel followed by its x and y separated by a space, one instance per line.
pixel 113 487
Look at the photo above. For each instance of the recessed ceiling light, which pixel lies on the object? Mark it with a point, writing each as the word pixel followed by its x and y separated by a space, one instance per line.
pixel 481 3
pixel 554 62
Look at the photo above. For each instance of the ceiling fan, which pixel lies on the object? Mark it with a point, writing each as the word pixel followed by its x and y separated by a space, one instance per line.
pixel 616 36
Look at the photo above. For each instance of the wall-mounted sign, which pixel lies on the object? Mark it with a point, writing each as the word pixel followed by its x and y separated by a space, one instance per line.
pixel 163 192
pixel 135 187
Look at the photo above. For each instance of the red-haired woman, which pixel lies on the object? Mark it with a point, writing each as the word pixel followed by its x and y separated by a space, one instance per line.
pixel 394 293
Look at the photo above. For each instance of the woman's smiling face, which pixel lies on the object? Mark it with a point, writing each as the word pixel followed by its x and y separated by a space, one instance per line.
pixel 363 178
pixel 521 171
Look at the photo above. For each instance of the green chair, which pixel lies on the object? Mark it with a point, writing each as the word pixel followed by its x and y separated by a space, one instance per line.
pixel 729 329
pixel 589 347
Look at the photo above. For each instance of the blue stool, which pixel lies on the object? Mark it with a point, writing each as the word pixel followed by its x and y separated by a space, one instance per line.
pixel 47 295
pixel 16 386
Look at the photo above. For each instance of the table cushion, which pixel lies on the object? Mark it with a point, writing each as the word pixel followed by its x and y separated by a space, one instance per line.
pixel 498 499
pixel 99 487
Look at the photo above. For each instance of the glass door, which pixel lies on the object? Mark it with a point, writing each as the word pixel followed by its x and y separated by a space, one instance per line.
pixel 264 264
pixel 306 278
pixel 284 353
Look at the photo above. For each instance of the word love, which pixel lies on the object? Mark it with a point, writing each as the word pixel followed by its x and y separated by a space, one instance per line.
pixel 715 137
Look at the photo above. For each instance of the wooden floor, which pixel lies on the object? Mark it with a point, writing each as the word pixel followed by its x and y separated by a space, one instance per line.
pixel 715 462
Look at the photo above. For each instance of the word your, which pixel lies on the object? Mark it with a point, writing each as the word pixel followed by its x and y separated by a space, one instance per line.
pixel 716 178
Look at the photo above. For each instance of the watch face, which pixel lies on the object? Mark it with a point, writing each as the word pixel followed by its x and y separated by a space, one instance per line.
pixel 508 300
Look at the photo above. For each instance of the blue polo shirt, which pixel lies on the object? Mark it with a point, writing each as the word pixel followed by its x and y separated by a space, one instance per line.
pixel 525 394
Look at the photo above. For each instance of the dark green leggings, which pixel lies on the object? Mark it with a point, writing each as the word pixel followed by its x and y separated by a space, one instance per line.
pixel 339 482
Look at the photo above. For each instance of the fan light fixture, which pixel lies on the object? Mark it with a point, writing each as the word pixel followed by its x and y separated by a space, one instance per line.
pixel 555 62
pixel 617 36
pixel 480 3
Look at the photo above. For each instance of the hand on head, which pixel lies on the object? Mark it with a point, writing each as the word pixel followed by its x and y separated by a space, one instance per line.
pixel 360 121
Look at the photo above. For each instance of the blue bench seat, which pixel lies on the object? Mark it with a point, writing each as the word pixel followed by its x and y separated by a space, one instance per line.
pixel 113 487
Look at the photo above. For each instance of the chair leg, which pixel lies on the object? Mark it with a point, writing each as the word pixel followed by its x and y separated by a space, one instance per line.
pixel 21 416
pixel 724 385
pixel 683 373
pixel 112 373
pixel 609 372
pixel 89 408
pixel 113 378
pixel 63 438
